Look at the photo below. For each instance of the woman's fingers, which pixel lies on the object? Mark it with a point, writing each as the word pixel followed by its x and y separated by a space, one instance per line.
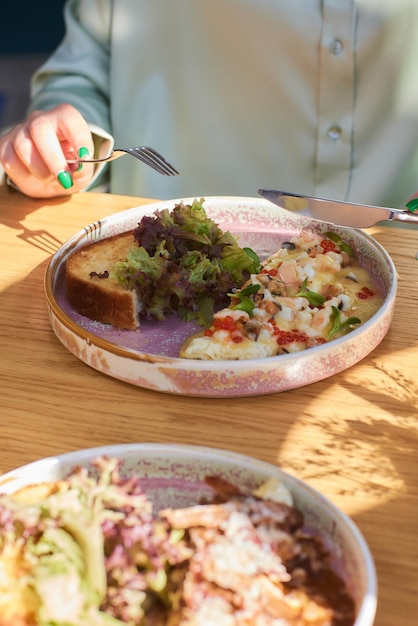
pixel 35 152
pixel 412 204
pixel 60 136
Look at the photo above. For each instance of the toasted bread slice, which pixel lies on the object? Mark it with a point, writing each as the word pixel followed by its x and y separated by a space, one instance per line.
pixel 93 292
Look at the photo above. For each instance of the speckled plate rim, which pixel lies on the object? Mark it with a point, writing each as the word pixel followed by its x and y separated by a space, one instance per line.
pixel 116 223
pixel 245 470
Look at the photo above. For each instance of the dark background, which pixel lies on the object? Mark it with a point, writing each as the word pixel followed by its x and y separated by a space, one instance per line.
pixel 29 32
pixel 30 28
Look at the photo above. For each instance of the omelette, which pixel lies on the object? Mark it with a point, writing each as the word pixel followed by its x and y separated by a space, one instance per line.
pixel 309 292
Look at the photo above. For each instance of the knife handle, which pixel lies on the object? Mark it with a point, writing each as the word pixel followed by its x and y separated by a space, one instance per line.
pixel 404 216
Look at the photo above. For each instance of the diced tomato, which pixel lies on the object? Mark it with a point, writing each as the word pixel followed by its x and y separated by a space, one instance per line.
pixel 328 246
pixel 365 293
pixel 271 272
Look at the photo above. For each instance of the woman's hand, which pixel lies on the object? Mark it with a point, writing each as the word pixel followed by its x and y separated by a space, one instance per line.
pixel 34 153
pixel 412 204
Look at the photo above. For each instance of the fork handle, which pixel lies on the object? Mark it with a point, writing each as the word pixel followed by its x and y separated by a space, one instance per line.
pixel 115 155
pixel 75 161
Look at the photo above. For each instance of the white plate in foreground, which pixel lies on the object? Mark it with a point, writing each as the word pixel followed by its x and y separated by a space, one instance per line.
pixel 147 357
pixel 173 475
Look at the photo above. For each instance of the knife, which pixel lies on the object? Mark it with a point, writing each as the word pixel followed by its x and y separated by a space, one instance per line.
pixel 336 211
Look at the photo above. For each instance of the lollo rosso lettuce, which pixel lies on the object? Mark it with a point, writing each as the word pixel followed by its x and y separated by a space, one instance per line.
pixel 184 263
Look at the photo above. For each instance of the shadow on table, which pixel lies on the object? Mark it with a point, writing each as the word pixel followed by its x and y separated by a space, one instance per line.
pixel 390 527
pixel 42 238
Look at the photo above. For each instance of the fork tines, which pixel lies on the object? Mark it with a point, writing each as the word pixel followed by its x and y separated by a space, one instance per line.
pixel 155 160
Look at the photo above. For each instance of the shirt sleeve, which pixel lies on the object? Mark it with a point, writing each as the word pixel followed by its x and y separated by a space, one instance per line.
pixel 103 146
pixel 78 72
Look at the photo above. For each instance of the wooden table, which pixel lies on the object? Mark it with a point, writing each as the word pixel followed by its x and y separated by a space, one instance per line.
pixel 354 436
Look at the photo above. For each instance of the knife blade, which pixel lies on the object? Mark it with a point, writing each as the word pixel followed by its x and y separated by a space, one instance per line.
pixel 336 211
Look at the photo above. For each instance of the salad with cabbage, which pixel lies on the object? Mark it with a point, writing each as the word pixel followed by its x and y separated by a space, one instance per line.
pixel 88 550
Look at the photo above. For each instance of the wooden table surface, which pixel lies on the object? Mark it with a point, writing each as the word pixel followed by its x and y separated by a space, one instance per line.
pixel 354 436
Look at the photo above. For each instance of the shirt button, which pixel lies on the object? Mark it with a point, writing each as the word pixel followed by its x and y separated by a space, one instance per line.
pixel 336 46
pixel 334 132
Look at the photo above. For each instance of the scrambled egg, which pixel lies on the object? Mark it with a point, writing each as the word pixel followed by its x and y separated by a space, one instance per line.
pixel 311 290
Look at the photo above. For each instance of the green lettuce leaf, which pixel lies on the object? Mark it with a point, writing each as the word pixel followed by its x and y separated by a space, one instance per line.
pixel 184 263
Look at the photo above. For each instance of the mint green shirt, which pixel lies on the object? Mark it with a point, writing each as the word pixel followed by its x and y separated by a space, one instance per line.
pixel 310 96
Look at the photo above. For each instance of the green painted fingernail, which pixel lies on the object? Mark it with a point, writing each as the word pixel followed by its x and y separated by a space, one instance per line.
pixel 65 180
pixel 83 151
pixel 412 205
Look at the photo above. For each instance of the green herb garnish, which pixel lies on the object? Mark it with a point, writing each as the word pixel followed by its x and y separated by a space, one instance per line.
pixel 245 302
pixel 342 245
pixel 314 299
pixel 255 259
pixel 337 325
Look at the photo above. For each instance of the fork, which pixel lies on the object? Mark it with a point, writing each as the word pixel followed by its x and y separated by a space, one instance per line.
pixel 145 154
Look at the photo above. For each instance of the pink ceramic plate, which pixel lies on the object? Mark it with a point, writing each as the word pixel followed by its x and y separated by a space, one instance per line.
pixel 173 475
pixel 147 357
